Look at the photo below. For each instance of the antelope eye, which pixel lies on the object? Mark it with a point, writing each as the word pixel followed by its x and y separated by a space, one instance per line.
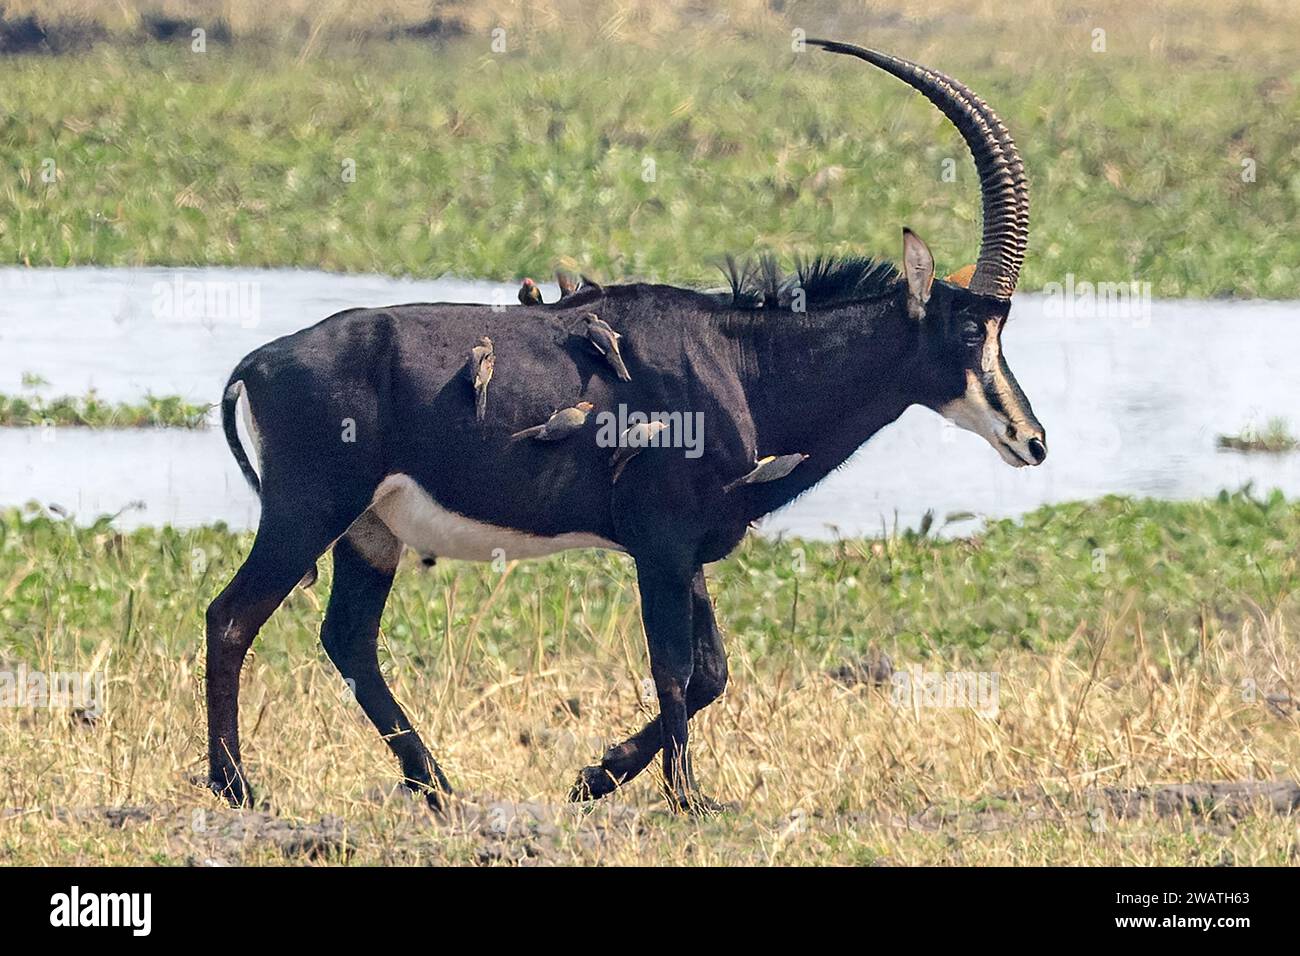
pixel 972 334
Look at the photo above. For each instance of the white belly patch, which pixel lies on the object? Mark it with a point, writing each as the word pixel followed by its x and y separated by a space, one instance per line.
pixel 431 530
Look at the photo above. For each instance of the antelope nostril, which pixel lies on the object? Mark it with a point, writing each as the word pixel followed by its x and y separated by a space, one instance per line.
pixel 1011 432
pixel 1037 450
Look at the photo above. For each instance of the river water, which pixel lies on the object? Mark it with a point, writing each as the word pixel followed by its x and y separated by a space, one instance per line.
pixel 1132 405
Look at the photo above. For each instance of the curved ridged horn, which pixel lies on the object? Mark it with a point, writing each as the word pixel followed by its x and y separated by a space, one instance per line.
pixel 1003 188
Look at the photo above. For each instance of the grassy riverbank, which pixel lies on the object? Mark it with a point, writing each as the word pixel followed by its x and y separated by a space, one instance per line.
pixel 657 143
pixel 1134 643
pixel 1275 439
pixel 91 411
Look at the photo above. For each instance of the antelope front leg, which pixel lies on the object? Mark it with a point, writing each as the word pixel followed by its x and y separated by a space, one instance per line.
pixel 624 761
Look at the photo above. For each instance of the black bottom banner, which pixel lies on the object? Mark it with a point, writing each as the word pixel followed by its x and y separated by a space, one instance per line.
pixel 318 903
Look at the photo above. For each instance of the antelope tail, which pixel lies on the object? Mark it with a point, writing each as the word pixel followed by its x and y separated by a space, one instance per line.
pixel 229 401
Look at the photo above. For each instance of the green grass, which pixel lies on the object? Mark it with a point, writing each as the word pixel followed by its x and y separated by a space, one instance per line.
pixel 1274 439
pixel 503 165
pixel 89 410
pixel 1032 583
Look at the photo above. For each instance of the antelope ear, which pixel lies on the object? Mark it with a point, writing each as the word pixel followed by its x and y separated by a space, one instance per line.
pixel 918 268
pixel 962 276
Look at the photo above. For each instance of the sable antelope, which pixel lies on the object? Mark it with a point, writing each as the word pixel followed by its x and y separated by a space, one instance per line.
pixel 367 442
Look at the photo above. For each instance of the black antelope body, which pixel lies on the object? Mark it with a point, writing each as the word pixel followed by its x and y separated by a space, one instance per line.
pixel 367 441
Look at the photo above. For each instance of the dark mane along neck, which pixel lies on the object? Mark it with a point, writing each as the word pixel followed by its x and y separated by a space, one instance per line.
pixel 816 283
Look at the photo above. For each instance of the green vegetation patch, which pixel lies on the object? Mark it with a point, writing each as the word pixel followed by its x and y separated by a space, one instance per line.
pixel 89 410
pixel 654 163
pixel 1159 572
pixel 1274 439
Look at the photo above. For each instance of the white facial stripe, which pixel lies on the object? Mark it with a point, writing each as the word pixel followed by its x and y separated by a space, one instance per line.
pixel 429 529
pixel 992 349
pixel 993 408
pixel 974 413
pixel 1008 400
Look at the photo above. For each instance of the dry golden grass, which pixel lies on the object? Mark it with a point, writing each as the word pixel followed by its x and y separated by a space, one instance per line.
pixel 821 772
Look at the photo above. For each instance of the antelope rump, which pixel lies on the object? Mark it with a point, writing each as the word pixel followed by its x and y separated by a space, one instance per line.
pixel 367 435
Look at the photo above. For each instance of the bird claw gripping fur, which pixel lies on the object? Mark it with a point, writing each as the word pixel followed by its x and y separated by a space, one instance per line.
pixel 771 468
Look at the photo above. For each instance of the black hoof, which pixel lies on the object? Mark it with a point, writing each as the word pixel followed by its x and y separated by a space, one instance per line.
pixel 434 795
pixel 236 791
pixel 592 784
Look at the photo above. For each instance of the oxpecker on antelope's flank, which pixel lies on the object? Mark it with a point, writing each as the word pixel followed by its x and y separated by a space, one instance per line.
pixel 426 469
pixel 565 422
pixel 482 361
pixel 771 468
pixel 605 340
pixel 631 444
